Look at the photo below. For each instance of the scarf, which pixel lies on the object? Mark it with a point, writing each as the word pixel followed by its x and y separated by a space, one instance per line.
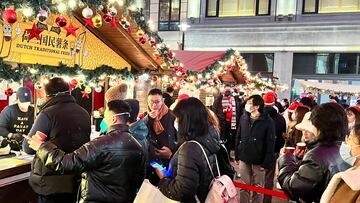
pixel 229 105
pixel 158 128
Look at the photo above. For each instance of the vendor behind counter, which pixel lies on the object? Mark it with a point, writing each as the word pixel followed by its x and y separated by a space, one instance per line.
pixel 17 119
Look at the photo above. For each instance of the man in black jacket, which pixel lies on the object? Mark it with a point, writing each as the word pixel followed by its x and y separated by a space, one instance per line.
pixel 162 133
pixel 113 164
pixel 67 125
pixel 255 143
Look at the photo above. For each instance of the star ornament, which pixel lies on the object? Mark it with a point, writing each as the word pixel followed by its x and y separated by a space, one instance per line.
pixel 88 22
pixel 84 94
pixel 34 32
pixel 71 30
pixel 114 22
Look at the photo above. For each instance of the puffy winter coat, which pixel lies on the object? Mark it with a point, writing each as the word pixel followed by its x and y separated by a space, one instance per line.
pixel 190 172
pixel 255 142
pixel 113 166
pixel 308 180
pixel 67 125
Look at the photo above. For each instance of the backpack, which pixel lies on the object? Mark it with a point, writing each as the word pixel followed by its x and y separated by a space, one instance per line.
pixel 222 189
pixel 224 162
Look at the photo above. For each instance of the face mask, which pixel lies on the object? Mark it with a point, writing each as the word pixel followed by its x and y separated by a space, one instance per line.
pixel 248 108
pixel 176 126
pixel 293 117
pixel 345 150
pixel 227 93
pixel 103 124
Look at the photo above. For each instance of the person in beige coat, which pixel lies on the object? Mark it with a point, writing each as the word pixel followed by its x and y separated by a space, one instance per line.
pixel 344 187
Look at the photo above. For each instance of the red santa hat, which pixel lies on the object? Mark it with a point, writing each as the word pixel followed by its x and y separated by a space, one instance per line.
pixel 310 96
pixel 294 105
pixel 269 98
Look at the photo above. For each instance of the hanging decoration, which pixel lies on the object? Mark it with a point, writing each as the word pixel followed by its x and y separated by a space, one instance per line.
pixel 9 92
pixel 88 22
pixel 34 32
pixel 87 12
pixel 61 21
pixel 97 21
pixel 42 15
pixel 71 30
pixel 98 89
pixel 9 16
pixel 107 18
pixel 85 94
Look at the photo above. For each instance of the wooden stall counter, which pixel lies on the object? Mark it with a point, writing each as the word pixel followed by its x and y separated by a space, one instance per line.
pixel 14 180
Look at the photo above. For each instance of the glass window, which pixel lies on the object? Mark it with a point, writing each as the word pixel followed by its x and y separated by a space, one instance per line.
pixel 304 63
pixel 264 7
pixel 322 64
pixel 309 6
pixel 285 7
pixel 211 8
pixel 259 62
pixel 169 14
pixel 237 7
pixel 331 6
pixel 347 63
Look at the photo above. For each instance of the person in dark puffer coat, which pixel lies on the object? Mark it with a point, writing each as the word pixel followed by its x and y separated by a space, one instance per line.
pixel 307 180
pixel 113 165
pixel 191 175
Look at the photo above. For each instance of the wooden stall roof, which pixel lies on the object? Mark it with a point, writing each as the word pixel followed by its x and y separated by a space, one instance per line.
pixel 125 44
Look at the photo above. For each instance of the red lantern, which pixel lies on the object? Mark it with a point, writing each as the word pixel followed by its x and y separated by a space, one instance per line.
pixel 107 18
pixel 9 92
pixel 61 21
pixel 9 16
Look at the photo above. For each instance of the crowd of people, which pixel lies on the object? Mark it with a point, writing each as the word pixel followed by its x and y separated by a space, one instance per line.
pixel 261 136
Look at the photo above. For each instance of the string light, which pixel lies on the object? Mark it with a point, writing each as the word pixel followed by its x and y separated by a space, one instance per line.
pixel 27 11
pixel 72 4
pixel 61 7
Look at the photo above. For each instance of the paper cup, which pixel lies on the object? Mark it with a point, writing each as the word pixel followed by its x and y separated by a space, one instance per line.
pixel 289 150
pixel 41 136
pixel 301 146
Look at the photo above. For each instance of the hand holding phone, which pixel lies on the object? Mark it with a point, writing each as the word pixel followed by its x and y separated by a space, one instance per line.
pixel 155 144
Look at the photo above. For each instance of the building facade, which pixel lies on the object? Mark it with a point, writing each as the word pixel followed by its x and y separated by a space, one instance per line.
pixel 289 39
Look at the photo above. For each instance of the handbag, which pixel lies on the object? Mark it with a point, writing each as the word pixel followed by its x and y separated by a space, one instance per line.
pixel 222 189
pixel 151 194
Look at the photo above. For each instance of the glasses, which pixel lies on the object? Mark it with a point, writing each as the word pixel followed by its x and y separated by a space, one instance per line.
pixel 156 102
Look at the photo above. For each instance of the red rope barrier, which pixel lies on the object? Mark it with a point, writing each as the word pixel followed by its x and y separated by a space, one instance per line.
pixel 274 193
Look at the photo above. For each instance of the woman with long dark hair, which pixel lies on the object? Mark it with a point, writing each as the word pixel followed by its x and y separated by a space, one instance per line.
pixel 190 175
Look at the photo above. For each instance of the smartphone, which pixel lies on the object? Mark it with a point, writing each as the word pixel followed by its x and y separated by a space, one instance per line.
pixel 156 165
pixel 155 144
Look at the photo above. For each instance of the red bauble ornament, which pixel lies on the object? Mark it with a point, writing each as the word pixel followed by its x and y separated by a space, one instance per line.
pixel 107 18
pixel 34 32
pixel 71 30
pixel 141 116
pixel 9 92
pixel 88 22
pixel 142 40
pixel 61 21
pixel 9 16
pixel 154 78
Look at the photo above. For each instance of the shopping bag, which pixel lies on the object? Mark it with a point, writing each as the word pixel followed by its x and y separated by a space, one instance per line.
pixel 150 194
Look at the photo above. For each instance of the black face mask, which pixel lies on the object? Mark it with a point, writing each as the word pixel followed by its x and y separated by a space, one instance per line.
pixel 227 93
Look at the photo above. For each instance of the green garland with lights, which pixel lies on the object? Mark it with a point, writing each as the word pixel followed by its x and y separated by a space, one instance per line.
pixel 7 72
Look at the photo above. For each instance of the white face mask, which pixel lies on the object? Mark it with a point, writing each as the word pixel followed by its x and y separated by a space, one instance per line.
pixel 293 117
pixel 345 153
pixel 248 108
pixel 351 125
